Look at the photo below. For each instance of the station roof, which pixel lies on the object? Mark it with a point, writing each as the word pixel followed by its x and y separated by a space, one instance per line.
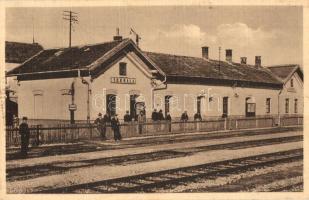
pixel 93 58
pixel 194 67
pixel 284 72
pixel 17 52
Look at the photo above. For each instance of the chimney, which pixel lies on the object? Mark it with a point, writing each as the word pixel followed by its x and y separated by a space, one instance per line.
pixel 258 61
pixel 205 52
pixel 243 60
pixel 228 55
pixel 117 37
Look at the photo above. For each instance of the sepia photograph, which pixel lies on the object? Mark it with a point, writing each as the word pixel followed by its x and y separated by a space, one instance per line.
pixel 153 99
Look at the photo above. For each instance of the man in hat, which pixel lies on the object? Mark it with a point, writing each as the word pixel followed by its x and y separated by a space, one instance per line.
pixel 101 126
pixel 24 136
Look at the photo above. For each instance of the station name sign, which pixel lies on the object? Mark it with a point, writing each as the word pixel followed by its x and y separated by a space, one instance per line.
pixel 123 80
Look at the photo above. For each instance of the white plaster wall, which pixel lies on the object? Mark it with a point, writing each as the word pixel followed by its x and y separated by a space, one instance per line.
pixel 102 85
pixel 53 105
pixel 187 99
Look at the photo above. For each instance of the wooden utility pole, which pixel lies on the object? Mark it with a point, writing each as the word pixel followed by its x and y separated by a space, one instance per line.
pixel 219 59
pixel 72 18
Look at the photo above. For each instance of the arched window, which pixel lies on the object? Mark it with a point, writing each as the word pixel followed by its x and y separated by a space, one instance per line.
pixel 250 107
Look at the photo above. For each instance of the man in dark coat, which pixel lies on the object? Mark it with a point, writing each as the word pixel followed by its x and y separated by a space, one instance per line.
pixel 116 127
pixel 184 117
pixel 127 117
pixel 24 136
pixel 141 120
pixel 168 119
pixel 101 126
pixel 107 118
pixel 154 115
pixel 197 116
pixel 160 115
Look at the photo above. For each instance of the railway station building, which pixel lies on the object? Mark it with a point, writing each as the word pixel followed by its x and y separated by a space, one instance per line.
pixel 117 76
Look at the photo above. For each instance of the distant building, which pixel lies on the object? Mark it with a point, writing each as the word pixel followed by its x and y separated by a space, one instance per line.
pixel 15 54
pixel 120 76
pixel 291 96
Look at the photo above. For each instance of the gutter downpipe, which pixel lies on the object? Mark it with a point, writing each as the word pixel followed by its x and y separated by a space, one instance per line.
pixel 156 88
pixel 88 95
pixel 279 119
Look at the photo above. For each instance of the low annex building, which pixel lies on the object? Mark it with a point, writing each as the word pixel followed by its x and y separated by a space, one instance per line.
pixel 117 76
pixel 15 54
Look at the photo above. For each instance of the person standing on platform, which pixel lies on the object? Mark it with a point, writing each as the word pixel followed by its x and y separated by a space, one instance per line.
pixel 127 118
pixel 160 115
pixel 168 119
pixel 184 118
pixel 101 126
pixel 154 115
pixel 24 136
pixel 107 118
pixel 197 116
pixel 116 127
pixel 197 119
pixel 141 120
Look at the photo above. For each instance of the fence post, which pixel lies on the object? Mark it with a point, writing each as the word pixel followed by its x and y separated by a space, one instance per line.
pixel 256 122
pixel 37 135
pixel 236 123
pixel 90 130
pixel 225 123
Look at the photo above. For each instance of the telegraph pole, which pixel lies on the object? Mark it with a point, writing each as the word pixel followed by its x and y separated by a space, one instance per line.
pixel 219 60
pixel 72 18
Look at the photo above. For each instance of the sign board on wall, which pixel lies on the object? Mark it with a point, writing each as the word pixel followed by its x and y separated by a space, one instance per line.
pixel 72 107
pixel 123 80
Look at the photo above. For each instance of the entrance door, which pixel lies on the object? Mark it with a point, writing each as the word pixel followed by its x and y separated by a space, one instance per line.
pixel 111 104
pixel 133 112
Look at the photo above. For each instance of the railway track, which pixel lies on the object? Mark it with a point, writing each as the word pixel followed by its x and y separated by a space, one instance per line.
pixel 27 172
pixel 149 182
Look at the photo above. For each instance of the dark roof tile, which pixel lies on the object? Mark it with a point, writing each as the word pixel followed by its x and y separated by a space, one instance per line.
pixel 282 71
pixel 65 58
pixel 185 66
pixel 16 52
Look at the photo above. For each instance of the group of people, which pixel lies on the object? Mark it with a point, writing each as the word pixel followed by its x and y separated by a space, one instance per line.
pixel 158 116
pixel 102 122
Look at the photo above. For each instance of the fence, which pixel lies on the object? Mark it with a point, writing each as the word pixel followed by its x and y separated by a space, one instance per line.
pixel 67 133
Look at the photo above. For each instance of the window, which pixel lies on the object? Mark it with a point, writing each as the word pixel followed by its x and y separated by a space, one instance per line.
pixel 250 107
pixel 167 104
pixel 268 105
pixel 295 105
pixel 225 107
pixel 292 83
pixel 198 104
pixel 287 105
pixel 122 69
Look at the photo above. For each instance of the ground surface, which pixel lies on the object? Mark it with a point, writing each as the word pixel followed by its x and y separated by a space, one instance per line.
pixel 83 167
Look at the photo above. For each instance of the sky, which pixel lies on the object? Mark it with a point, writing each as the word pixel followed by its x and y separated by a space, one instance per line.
pixel 273 32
